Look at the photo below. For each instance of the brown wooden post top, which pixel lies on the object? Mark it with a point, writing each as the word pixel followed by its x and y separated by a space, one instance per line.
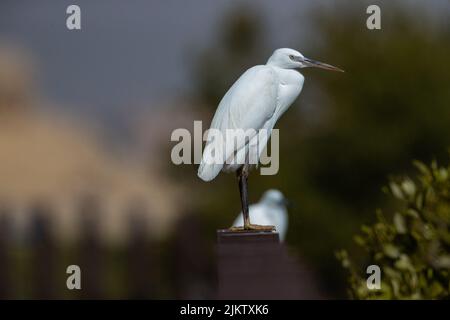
pixel 255 265
pixel 225 236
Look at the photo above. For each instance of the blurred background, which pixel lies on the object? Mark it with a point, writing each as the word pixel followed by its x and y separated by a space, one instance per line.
pixel 86 117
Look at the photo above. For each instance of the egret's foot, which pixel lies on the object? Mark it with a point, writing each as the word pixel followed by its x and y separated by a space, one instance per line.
pixel 252 227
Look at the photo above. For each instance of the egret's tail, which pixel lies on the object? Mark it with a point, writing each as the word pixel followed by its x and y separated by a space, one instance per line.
pixel 207 172
pixel 208 169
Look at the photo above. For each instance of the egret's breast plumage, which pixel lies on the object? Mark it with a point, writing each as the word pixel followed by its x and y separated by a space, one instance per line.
pixel 290 86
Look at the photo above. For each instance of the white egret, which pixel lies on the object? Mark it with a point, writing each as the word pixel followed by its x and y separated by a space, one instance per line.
pixel 255 101
pixel 270 210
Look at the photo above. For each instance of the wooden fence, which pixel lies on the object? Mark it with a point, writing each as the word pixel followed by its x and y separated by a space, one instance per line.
pixel 184 266
pixel 34 266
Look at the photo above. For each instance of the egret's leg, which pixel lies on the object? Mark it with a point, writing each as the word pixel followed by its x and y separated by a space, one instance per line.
pixel 243 189
pixel 242 175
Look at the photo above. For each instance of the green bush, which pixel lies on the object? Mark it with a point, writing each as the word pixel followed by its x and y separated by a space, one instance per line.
pixel 413 248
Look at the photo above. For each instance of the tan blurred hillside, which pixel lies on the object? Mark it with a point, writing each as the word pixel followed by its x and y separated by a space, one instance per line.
pixel 53 159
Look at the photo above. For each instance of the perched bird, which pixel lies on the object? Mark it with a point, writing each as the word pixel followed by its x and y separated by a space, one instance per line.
pixel 270 210
pixel 255 101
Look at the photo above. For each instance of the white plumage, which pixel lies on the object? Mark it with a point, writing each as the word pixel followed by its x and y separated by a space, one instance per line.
pixel 255 101
pixel 269 211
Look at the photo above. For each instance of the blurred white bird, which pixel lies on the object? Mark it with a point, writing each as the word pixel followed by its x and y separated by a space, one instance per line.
pixel 255 101
pixel 270 210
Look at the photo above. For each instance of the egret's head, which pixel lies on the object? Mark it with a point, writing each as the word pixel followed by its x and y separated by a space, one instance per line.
pixel 274 197
pixel 291 59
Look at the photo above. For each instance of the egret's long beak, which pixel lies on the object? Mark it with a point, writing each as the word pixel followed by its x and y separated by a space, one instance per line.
pixel 317 64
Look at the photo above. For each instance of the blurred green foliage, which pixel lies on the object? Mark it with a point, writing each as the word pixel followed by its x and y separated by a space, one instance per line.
pixel 412 249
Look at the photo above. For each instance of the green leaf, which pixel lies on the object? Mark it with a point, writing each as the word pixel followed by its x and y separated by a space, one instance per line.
pixel 396 191
pixel 399 223
pixel 422 167
pixel 359 240
pixel 404 263
pixel 391 251
pixel 408 187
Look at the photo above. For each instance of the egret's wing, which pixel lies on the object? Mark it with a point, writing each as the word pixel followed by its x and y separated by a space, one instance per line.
pixel 248 104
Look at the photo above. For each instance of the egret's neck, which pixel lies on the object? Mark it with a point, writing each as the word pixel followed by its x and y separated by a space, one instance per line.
pixel 288 76
pixel 290 86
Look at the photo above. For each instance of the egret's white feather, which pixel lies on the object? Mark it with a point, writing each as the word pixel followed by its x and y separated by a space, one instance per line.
pixel 249 104
pixel 255 101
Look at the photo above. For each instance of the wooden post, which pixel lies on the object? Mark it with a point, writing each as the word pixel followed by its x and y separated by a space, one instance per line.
pixel 43 253
pixel 140 256
pixel 225 236
pixel 91 251
pixel 255 265
pixel 5 257
pixel 189 260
